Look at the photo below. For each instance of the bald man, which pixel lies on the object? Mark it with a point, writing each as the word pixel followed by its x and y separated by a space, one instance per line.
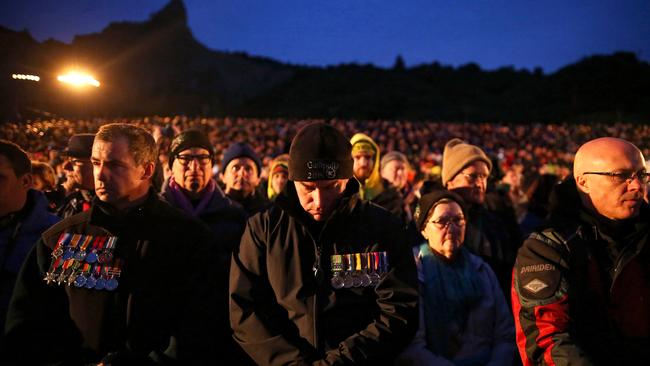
pixel 581 287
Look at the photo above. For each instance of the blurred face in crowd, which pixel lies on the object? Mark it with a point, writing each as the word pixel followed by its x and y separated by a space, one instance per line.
pixel 192 170
pixel 241 175
pixel 445 229
pixel 13 189
pixel 364 161
pixel 319 198
pixel 471 182
pixel 118 179
pixel 278 181
pixel 610 177
pixel 395 172
pixel 80 171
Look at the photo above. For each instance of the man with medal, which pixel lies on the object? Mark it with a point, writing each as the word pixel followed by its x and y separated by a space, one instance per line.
pixel 323 277
pixel 130 281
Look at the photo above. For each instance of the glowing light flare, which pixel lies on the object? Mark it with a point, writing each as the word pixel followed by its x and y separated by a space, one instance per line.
pixel 25 77
pixel 78 79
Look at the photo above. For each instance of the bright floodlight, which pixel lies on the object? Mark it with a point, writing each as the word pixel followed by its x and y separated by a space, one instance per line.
pixel 78 79
pixel 25 77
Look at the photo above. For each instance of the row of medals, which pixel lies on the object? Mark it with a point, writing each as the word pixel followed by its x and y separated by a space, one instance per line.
pixel 100 276
pixel 358 269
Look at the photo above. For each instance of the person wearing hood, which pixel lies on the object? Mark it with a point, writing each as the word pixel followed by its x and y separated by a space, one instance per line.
pixel 278 176
pixel 323 277
pixel 464 317
pixel 374 188
pixel 24 216
pixel 581 287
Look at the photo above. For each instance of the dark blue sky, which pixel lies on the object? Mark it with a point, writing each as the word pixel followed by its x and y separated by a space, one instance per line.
pixel 492 33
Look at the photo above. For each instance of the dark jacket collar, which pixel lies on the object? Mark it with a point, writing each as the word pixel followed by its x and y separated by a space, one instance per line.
pixel 105 215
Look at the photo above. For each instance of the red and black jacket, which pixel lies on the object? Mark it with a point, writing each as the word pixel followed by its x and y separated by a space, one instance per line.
pixel 581 289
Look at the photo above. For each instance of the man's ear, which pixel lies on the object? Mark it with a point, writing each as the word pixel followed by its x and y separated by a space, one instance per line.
pixel 149 169
pixel 582 183
pixel 26 181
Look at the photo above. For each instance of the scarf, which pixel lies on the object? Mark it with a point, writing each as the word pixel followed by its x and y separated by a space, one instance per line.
pixel 449 291
pixel 185 204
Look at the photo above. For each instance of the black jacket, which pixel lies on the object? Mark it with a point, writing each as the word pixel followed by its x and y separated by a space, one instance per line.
pixel 283 307
pixel 163 308
pixel 581 289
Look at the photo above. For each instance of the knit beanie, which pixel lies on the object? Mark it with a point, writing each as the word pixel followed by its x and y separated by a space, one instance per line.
pixel 320 152
pixel 458 154
pixel 187 140
pixel 240 150
pixel 393 155
pixel 429 201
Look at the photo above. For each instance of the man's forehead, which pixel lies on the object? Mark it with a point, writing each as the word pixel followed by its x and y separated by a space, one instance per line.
pixel 319 183
pixel 474 166
pixel 365 153
pixel 194 151
pixel 242 160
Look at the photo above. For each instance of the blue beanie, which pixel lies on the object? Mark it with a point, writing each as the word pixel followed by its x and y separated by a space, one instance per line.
pixel 239 150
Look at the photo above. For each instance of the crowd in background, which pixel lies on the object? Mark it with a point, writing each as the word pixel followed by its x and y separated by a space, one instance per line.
pixel 549 147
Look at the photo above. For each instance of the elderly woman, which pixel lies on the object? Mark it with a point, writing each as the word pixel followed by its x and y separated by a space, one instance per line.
pixel 464 319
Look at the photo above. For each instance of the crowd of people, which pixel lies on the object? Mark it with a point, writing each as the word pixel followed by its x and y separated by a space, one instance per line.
pixel 247 241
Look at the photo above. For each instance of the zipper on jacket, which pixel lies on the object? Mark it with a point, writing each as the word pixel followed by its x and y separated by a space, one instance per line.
pixel 624 259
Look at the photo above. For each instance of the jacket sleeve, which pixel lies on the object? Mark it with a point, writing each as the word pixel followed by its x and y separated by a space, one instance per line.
pixel 38 328
pixel 259 324
pixel 503 348
pixel 397 298
pixel 540 303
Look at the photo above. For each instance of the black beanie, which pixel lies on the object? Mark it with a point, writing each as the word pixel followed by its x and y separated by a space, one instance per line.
pixel 320 152
pixel 429 201
pixel 187 140
pixel 240 150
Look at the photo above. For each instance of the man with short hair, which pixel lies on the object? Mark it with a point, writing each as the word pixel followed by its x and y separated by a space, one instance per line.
pixel 492 236
pixel 323 277
pixel 24 216
pixel 374 188
pixel 80 175
pixel 394 168
pixel 240 172
pixel 129 281
pixel 581 288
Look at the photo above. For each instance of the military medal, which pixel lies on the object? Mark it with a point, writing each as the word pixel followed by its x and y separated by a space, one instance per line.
pixel 81 278
pixel 97 245
pixel 107 254
pixel 51 275
pixel 71 248
pixel 348 281
pixel 365 277
pixel 356 275
pixel 65 273
pixel 374 275
pixel 63 240
pixel 114 273
pixel 337 269
pixel 91 281
pixel 80 255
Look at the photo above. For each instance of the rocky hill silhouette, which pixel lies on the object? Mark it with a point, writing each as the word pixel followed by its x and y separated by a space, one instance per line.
pixel 158 67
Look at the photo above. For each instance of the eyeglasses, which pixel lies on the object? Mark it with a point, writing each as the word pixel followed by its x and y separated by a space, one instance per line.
pixel 443 222
pixel 473 177
pixel 202 159
pixel 624 177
